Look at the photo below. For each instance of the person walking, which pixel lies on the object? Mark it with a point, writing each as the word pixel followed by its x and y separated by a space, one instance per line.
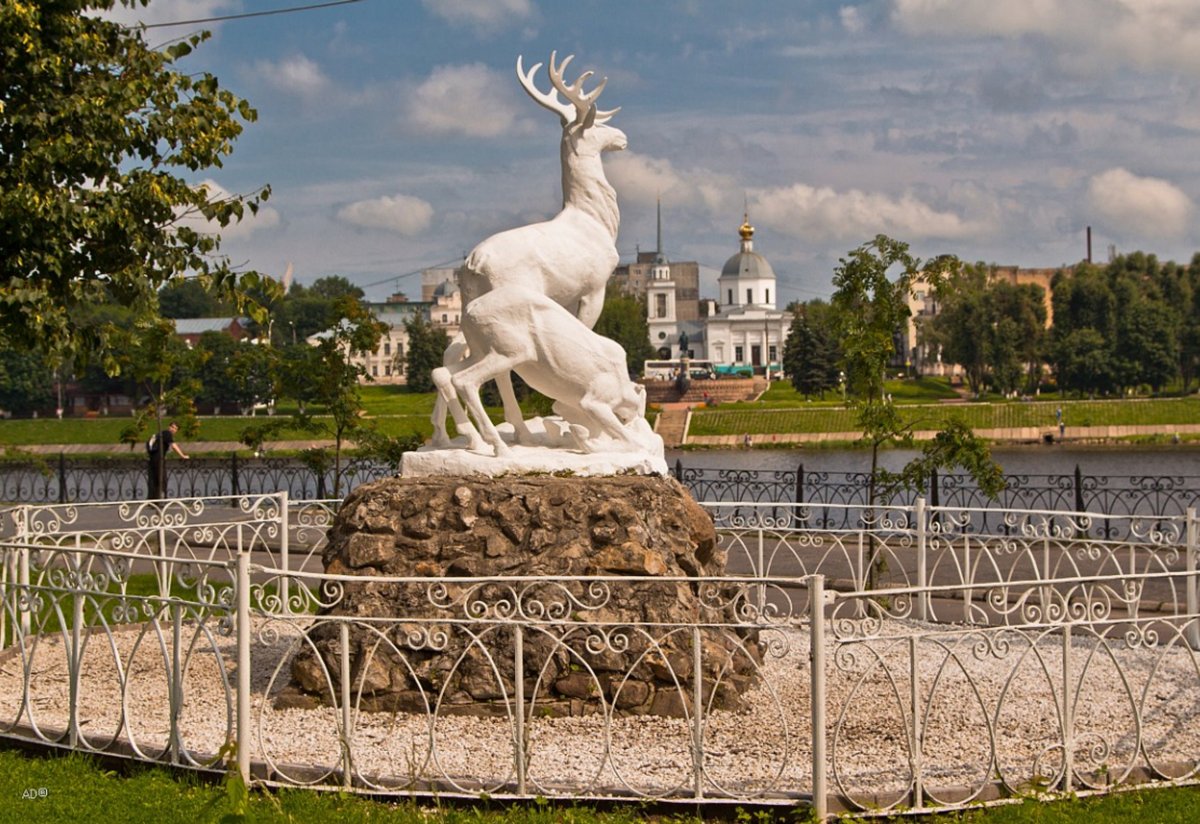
pixel 156 449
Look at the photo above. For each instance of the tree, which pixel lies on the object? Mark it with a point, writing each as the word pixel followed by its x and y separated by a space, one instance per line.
pixel 426 345
pixel 810 356
pixel 212 355
pixel 26 382
pixel 97 132
pixel 957 327
pixel 149 354
pixel 1082 362
pixel 335 379
pixel 191 299
pixel 866 310
pixel 623 319
pixel 305 311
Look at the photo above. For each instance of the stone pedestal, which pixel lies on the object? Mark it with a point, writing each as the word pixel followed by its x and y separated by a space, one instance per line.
pixel 501 553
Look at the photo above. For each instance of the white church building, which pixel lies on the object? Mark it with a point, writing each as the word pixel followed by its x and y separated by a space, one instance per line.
pixel 740 329
pixel 747 329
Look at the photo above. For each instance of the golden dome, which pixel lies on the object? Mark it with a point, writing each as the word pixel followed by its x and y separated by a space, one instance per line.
pixel 746 230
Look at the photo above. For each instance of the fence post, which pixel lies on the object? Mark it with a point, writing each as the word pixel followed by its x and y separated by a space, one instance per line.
pixel 697 715
pixel 816 659
pixel 176 700
pixel 934 494
pixel 1191 586
pixel 799 496
pixel 284 546
pixel 918 735
pixel 1068 714
pixel 519 698
pixel 235 484
pixel 1078 489
pixel 242 626
pixel 679 469
pixel 347 717
pixel 76 656
pixel 919 515
pixel 62 477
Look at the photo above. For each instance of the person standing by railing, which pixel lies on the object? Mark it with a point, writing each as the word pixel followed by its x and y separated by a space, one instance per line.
pixel 156 449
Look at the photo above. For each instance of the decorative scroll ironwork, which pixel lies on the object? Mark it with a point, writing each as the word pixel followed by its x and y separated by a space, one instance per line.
pixel 969 654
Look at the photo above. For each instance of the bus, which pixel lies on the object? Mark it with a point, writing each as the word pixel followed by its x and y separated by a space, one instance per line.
pixel 666 370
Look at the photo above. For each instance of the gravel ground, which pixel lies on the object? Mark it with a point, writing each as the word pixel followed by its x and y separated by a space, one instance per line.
pixel 980 693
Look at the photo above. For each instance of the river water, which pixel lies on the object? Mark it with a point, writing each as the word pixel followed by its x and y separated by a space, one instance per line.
pixel 1056 459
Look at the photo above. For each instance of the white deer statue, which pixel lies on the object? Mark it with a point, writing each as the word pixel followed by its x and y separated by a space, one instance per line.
pixel 568 258
pixel 513 329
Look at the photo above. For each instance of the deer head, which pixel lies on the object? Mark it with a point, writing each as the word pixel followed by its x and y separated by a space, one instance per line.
pixel 584 125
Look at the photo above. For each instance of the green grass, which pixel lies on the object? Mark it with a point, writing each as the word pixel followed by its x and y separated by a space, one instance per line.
pixel 48 790
pixel 781 410
pixel 737 419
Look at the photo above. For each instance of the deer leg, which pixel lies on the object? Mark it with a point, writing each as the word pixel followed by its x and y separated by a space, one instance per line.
pixel 467 381
pixel 453 356
pixel 442 378
pixel 604 418
pixel 512 409
pixel 589 308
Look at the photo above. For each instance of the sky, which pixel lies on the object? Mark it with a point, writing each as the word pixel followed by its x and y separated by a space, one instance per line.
pixel 394 134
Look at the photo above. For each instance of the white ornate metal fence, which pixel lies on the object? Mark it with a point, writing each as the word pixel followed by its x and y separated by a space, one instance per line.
pixel 914 661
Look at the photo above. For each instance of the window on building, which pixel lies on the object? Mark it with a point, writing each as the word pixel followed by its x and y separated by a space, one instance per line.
pixel 767 299
pixel 387 347
pixel 730 301
pixel 749 296
pixel 660 306
pixel 387 369
pixel 445 318
pixel 375 371
pixel 737 354
pixel 771 356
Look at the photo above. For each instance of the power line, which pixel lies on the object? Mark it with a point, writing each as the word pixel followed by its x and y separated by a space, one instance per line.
pixel 249 14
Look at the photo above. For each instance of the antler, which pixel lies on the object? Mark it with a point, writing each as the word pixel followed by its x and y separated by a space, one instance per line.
pixel 580 109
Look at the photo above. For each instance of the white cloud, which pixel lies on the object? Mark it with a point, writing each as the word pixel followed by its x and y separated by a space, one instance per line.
pixel 1085 34
pixel 643 179
pixel 471 100
pixel 480 14
pixel 1132 206
pixel 852 20
pixel 296 75
pixel 822 214
pixel 171 11
pixel 250 222
pixel 401 214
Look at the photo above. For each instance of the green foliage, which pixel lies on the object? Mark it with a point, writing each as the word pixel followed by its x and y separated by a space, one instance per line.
pixel 993 329
pixel 387 449
pixel 26 381
pixel 190 298
pixel 868 309
pixel 97 130
pixel 811 354
pixel 623 319
pixel 426 345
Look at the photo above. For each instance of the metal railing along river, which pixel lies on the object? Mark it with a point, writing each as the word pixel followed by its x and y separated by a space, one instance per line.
pixel 912 661
pixel 63 480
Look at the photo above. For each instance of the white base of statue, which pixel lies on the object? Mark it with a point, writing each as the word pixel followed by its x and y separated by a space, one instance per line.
pixel 548 454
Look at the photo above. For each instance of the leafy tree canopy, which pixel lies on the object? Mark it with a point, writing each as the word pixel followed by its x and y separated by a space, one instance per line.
pixel 102 138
